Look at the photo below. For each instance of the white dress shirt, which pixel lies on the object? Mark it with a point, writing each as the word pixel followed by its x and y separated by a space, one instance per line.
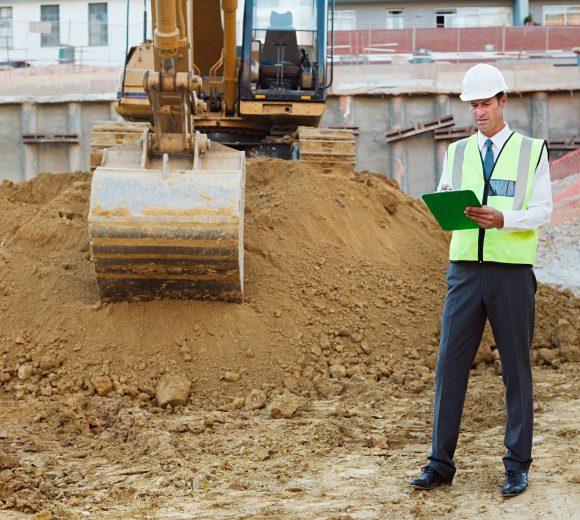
pixel 540 206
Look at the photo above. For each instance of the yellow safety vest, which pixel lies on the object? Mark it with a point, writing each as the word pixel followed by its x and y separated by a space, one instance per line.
pixel 509 189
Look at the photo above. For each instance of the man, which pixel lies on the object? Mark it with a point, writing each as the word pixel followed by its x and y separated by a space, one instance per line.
pixel 490 276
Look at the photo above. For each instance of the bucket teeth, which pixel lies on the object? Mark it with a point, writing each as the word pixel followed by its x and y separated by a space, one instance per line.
pixel 143 266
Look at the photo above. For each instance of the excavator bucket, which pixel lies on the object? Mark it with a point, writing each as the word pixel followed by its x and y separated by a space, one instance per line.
pixel 168 227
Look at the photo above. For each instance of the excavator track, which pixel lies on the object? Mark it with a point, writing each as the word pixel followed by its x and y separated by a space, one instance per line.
pixel 333 151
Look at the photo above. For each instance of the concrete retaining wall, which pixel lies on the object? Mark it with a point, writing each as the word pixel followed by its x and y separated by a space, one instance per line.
pixel 67 100
pixel 416 161
pixel 22 161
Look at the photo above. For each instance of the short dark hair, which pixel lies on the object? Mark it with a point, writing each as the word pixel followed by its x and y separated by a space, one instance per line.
pixel 499 95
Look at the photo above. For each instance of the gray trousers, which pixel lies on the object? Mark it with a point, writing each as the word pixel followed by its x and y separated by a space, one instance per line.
pixel 504 294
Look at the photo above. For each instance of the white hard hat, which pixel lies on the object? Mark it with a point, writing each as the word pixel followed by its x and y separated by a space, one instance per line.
pixel 482 82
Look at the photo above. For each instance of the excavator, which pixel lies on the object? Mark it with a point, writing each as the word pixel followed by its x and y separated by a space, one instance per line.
pixel 167 196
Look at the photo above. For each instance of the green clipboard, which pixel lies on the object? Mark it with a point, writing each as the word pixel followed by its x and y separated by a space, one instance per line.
pixel 448 208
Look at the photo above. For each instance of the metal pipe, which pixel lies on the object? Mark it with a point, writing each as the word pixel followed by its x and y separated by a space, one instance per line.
pixel 230 57
pixel 332 15
pixel 144 21
pixel 120 100
pixel 181 17
pixel 189 14
pixel 166 38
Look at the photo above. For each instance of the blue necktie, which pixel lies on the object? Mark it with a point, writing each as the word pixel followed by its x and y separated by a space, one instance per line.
pixel 488 160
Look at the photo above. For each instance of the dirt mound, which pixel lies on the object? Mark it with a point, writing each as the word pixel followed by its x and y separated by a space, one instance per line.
pixel 344 281
pixel 344 288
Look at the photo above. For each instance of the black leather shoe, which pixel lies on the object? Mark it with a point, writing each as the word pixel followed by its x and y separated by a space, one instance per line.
pixel 429 479
pixel 515 483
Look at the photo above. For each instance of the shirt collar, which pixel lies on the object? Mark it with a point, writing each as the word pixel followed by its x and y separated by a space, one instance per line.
pixel 498 139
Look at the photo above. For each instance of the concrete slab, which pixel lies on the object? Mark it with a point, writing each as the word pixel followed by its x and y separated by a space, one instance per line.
pixel 58 84
pixel 445 78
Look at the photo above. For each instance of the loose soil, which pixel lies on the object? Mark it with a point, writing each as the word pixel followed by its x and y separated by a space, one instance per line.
pixel 312 399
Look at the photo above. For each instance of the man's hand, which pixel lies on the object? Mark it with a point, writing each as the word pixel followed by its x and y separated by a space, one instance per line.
pixel 446 187
pixel 485 217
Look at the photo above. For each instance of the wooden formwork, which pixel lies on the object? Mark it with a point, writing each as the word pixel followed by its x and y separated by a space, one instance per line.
pixel 106 134
pixel 331 150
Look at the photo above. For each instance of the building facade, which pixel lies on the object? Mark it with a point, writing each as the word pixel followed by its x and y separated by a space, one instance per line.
pixel 374 14
pixel 43 32
pixel 66 31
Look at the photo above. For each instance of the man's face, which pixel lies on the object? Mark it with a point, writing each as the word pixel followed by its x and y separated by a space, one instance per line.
pixel 487 114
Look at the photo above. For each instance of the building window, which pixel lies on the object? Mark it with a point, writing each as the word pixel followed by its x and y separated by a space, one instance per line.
pixel 562 15
pixel 50 13
pixel 344 20
pixel 395 19
pixel 98 27
pixel 6 28
pixel 443 17
pixel 474 17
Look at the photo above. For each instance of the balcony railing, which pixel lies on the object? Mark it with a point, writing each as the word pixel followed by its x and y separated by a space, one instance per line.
pixel 470 43
pixel 21 42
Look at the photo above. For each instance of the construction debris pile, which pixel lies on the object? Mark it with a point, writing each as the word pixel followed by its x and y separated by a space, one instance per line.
pixel 343 293
pixel 558 253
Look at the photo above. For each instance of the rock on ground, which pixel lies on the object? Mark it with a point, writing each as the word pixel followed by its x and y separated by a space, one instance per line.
pixel 173 390
pixel 283 406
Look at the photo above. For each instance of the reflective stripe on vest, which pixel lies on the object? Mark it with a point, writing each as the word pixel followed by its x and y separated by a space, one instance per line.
pixel 509 189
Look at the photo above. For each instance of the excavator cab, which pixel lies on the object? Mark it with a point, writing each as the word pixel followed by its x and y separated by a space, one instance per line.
pixel 284 63
pixel 280 60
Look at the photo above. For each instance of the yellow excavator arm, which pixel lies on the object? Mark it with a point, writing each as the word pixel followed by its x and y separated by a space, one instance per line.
pixel 166 210
pixel 167 202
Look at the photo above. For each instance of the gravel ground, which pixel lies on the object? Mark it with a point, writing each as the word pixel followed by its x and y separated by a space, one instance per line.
pixel 559 256
pixel 558 251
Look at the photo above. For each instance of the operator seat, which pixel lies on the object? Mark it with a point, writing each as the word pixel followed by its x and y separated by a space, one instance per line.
pixel 280 60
